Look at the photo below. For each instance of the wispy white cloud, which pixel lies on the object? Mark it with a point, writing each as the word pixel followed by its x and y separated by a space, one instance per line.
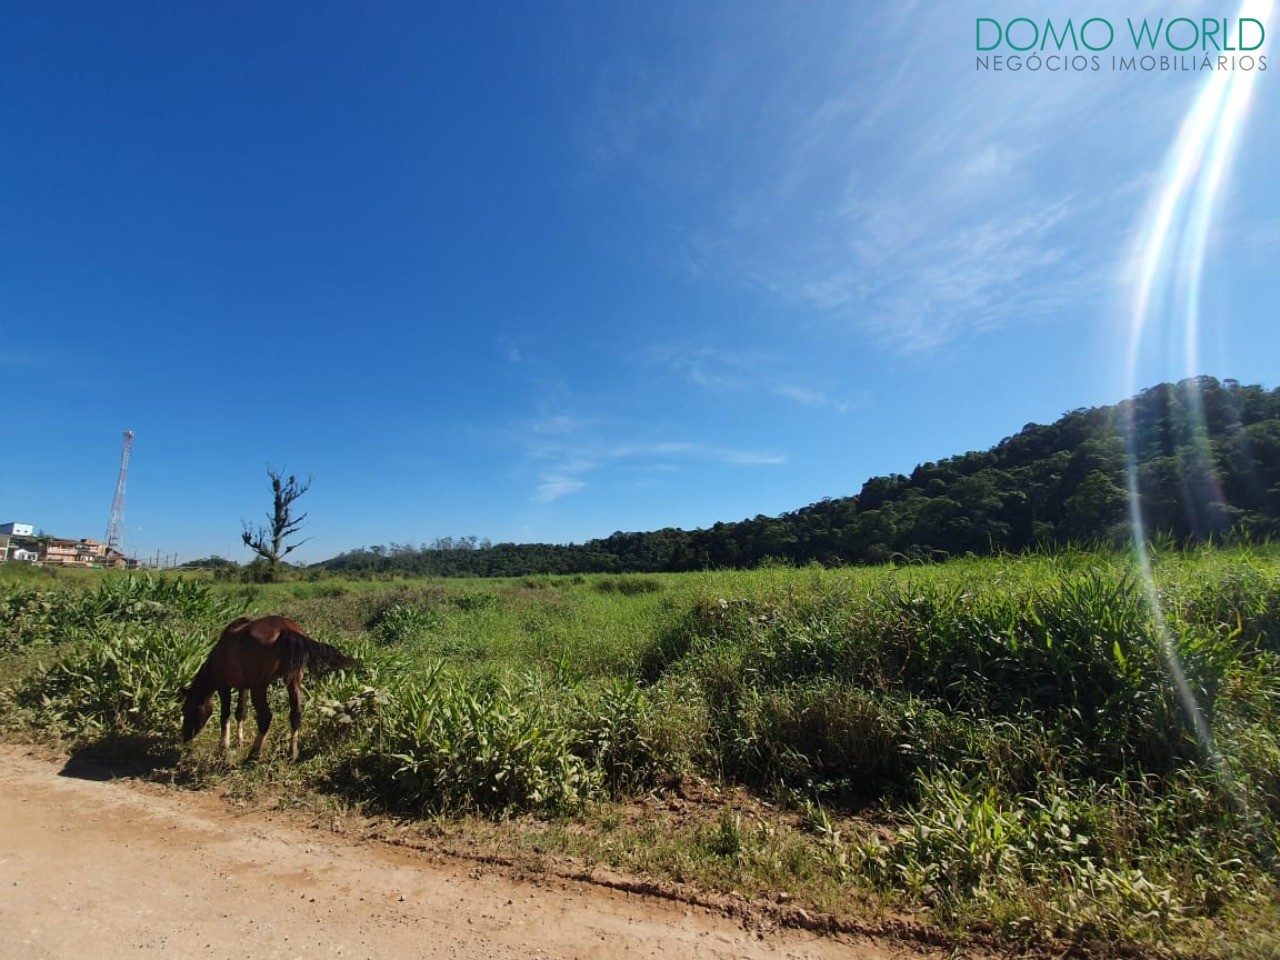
pixel 557 424
pixel 693 451
pixel 735 370
pixel 1254 240
pixel 562 479
pixel 564 459
pixel 809 397
pixel 745 457
pixel 704 366
pixel 553 486
pixel 509 349
pixel 858 164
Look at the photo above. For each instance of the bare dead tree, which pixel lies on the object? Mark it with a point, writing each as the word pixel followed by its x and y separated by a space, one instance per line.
pixel 269 542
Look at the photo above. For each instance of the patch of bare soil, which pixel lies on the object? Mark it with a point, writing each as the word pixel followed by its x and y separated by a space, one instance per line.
pixel 121 868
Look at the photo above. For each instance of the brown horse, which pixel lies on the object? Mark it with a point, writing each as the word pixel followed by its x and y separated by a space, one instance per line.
pixel 249 655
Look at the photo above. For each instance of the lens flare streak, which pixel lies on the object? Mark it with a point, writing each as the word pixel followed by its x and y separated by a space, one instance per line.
pixel 1166 273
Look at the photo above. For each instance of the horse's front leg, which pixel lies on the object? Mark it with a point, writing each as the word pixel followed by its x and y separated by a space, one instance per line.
pixel 294 687
pixel 224 702
pixel 242 710
pixel 263 710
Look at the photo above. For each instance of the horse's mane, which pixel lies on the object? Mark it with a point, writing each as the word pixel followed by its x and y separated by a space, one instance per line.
pixel 203 685
pixel 299 651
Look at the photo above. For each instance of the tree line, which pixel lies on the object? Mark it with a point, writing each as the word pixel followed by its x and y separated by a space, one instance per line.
pixel 1207 465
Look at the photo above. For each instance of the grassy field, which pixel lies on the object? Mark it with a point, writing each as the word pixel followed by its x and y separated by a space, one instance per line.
pixel 1016 747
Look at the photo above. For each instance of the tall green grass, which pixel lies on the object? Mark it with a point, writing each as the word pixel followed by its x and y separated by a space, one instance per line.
pixel 1014 720
pixel 122 650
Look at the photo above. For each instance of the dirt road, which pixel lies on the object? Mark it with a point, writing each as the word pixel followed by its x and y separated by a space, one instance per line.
pixel 124 869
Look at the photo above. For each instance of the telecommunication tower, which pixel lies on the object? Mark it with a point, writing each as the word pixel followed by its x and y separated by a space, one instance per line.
pixel 115 525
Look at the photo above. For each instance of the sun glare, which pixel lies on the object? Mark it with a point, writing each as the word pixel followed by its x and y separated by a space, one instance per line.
pixel 1165 274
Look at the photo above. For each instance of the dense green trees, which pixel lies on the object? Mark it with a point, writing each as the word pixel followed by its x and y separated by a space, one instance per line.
pixel 1207 460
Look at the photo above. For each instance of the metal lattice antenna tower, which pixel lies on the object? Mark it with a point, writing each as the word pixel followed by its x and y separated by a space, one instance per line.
pixel 116 524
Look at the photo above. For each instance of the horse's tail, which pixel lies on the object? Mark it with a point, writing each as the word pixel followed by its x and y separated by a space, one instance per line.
pixel 300 651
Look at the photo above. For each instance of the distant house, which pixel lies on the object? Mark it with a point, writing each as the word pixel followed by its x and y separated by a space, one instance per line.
pixel 77 553
pixel 114 558
pixel 59 551
pixel 18 543
pixel 91 551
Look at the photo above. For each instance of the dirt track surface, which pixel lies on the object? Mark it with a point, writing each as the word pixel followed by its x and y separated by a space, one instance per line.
pixel 109 869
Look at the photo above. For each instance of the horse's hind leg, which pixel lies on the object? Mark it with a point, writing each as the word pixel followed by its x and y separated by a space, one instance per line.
pixel 242 710
pixel 263 710
pixel 224 702
pixel 294 686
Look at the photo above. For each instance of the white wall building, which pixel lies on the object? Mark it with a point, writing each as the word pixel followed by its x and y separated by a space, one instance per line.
pixel 17 529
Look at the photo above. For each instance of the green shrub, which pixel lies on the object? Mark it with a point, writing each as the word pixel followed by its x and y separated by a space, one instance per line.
pixel 628 585
pixel 1077 859
pixel 119 679
pixel 480 600
pixel 405 623
pixel 615 737
pixel 147 597
pixel 30 618
pixel 1058 759
pixel 457 745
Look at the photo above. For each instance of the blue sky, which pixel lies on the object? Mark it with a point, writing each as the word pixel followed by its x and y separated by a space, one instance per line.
pixel 546 271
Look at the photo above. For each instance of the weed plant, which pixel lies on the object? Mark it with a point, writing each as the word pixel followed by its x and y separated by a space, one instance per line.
pixel 1038 751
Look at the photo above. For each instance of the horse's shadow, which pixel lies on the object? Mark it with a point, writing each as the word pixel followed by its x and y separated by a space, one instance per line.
pixel 125 756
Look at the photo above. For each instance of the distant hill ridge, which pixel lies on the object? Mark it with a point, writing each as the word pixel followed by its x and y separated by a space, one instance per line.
pixel 1208 459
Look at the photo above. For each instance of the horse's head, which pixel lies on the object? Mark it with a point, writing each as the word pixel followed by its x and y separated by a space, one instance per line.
pixel 196 712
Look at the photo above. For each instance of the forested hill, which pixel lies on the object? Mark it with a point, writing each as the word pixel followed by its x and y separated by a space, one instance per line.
pixel 1208 455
